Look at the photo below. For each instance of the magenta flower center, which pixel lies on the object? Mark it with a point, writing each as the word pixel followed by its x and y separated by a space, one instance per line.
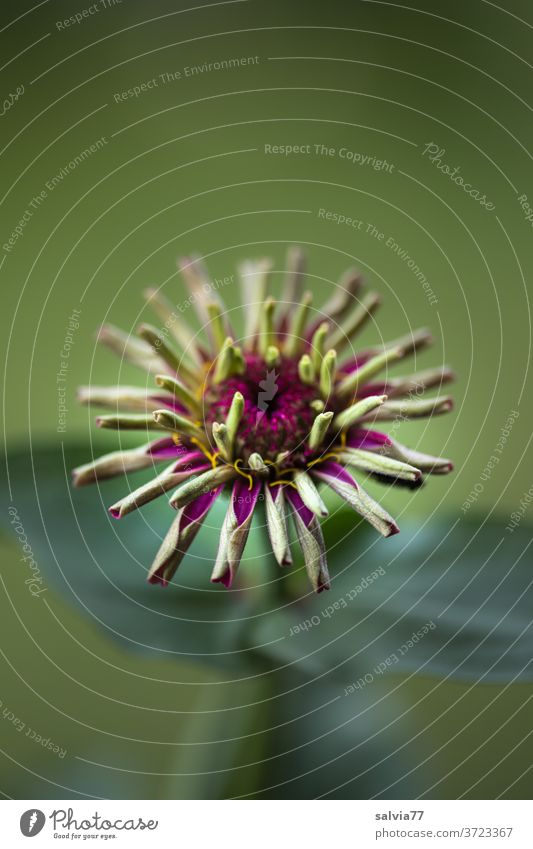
pixel 277 409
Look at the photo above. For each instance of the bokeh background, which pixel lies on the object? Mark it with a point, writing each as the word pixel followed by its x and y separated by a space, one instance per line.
pixel 110 688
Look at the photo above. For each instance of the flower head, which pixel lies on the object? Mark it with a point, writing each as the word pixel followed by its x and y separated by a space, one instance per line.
pixel 270 418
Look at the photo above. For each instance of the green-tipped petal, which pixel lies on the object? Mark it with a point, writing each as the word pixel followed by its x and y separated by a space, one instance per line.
pixel 179 538
pixel 295 334
pixel 424 462
pixel 309 494
pixel 227 362
pixel 294 279
pixel 199 284
pixel 319 429
pixel 165 312
pixel 147 492
pixel 234 416
pixel 272 356
pixel 123 397
pixel 240 362
pixel 127 347
pixel 255 461
pixel 318 344
pixel 327 373
pixel 419 382
pixel 277 524
pixel 343 297
pixel 217 325
pixel 361 408
pixel 314 551
pixel 380 464
pixel 179 390
pixel 408 344
pixel 353 382
pixel 411 409
pixel 164 351
pixel 169 420
pixel 414 341
pixel 357 498
pixel 266 338
pixel 132 421
pixel 113 464
pixel 306 371
pixel 221 439
pixel 234 532
pixel 205 482
pixel 355 321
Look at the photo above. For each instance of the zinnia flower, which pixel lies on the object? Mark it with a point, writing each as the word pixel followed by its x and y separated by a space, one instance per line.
pixel 270 418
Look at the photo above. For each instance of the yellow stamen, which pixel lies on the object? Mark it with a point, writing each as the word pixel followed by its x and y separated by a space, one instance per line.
pixel 206 368
pixel 176 438
pixel 244 474
pixel 323 458
pixel 211 456
pixel 286 483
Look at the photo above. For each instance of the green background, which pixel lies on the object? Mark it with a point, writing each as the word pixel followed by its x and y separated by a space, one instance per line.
pixel 200 703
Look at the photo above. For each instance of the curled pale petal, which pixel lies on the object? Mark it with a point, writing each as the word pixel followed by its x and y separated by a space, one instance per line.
pixel 379 464
pixel 344 295
pixel 358 317
pixel 254 276
pixel 179 538
pixel 166 313
pixel 277 524
pixel 372 440
pixel 409 409
pixel 294 279
pixel 425 462
pixel 127 347
pixel 115 463
pixel 395 387
pixel 309 493
pixel 199 284
pixel 165 481
pixel 344 485
pixel 408 344
pixel 205 482
pixel 128 421
pixel 311 542
pixel 123 397
pixel 235 530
